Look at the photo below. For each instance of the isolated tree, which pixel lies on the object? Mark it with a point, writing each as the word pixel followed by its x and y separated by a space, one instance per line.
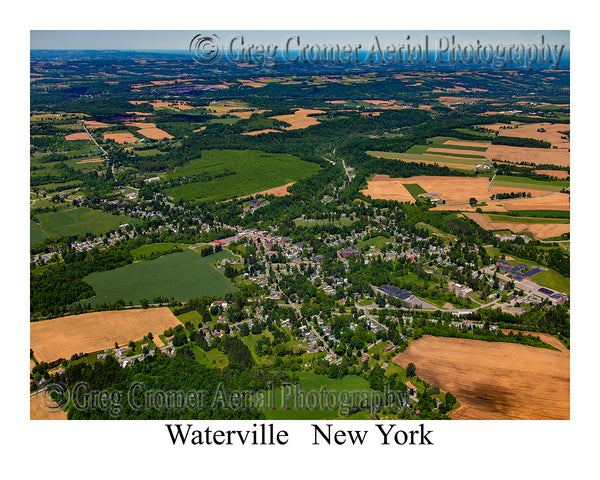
pixel 411 370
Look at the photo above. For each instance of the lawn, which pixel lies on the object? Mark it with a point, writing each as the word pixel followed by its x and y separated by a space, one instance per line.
pixel 234 173
pixel 311 382
pixel 182 276
pixel 80 221
pixel 192 316
pixel 378 242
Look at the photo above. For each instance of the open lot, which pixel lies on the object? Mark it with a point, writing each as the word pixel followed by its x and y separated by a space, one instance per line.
pixel 181 275
pixel 90 332
pixel 492 380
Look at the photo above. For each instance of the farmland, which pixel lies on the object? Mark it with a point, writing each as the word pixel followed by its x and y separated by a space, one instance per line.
pixel 181 275
pixel 91 332
pixel 444 151
pixel 253 171
pixel 494 380
pixel 540 228
pixel 77 221
pixel 537 156
pixel 523 183
pixel 451 189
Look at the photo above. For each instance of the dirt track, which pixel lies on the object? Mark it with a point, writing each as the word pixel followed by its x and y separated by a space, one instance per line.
pixel 492 380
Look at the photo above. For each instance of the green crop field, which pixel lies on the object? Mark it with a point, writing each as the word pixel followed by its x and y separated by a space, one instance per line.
pixel 313 382
pixel 79 221
pixel 182 276
pixel 146 251
pixel 524 182
pixel 414 189
pixel 254 171
pixel 35 233
pixel 494 217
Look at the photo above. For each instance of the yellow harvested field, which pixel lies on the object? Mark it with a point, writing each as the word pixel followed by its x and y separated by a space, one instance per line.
pixel 553 173
pixel 141 124
pixel 451 189
pixel 280 191
pixel 89 160
pixel 534 192
pixel 549 156
pixel 91 332
pixel 251 83
pixel 91 124
pixel 493 380
pixel 258 132
pixel 552 135
pixel 384 187
pixel 299 119
pixel 245 114
pixel 78 136
pixel 467 144
pixel 203 127
pixel 449 101
pixel 557 201
pixel 121 137
pixel 154 133
pixel 540 231
pixel 36 412
pixel 492 206
pixel 455 151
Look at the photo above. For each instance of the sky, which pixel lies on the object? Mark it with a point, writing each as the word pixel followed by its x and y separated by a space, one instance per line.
pixel 180 39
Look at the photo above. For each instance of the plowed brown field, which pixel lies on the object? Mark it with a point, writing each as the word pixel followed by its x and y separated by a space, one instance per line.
pixel 493 380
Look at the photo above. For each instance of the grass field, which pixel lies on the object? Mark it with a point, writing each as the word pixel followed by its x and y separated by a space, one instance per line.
pixel 378 242
pixel 146 251
pixel 254 171
pixel 414 189
pixel 79 221
pixel 446 151
pixel 36 235
pixel 524 182
pixel 182 276
pixel 494 217
pixel 314 382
